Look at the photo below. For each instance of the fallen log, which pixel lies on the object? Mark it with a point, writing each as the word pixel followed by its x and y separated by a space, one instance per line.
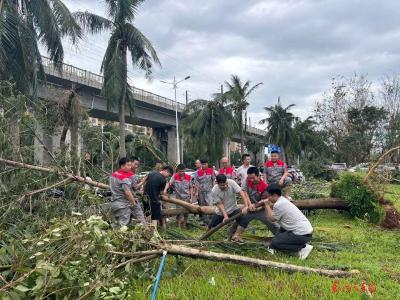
pixel 255 262
pixel 192 208
pixel 317 203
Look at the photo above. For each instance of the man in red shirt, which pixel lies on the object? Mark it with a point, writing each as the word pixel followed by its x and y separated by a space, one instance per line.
pixel 256 190
pixel 276 171
pixel 226 169
pixel 204 179
pixel 182 186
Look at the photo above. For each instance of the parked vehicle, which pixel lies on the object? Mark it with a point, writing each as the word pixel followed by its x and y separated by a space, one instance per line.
pixel 338 167
pixel 363 167
pixel 296 175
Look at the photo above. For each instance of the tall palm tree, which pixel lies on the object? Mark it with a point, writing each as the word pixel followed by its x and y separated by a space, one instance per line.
pixel 124 39
pixel 279 125
pixel 25 23
pixel 237 95
pixel 304 135
pixel 208 123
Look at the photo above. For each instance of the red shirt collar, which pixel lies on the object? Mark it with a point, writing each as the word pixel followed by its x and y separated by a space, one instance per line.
pixel 201 172
pixel 186 177
pixel 121 175
pixel 260 187
pixel 228 170
pixel 270 164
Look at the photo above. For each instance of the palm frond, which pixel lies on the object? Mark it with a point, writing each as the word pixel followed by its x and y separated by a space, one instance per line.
pixel 143 54
pixel 252 89
pixel 47 26
pixel 124 10
pixel 66 21
pixel 92 23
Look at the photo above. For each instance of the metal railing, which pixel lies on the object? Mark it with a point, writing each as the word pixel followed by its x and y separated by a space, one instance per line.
pixel 88 78
pixel 78 75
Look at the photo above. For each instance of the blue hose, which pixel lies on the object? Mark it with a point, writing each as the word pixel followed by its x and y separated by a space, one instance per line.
pixel 160 268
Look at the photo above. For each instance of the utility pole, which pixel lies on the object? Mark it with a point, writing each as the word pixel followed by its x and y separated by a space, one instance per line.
pixel 187 98
pixel 175 87
pixel 222 89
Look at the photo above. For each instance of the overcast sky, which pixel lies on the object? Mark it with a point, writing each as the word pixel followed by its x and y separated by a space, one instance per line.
pixel 294 47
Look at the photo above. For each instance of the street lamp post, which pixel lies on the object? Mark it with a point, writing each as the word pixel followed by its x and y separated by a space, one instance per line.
pixel 175 87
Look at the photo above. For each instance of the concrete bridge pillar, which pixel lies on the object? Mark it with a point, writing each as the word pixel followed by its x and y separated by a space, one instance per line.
pixel 227 150
pixel 261 154
pixel 171 147
pixel 42 141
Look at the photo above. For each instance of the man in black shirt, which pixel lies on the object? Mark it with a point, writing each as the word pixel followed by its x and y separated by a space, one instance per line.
pixel 155 184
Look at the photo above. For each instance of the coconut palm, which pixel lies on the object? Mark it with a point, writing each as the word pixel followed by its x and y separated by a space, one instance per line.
pixel 208 124
pixel 23 24
pixel 237 95
pixel 124 39
pixel 279 125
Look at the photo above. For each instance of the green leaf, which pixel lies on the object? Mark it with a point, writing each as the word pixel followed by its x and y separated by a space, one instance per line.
pixel 22 288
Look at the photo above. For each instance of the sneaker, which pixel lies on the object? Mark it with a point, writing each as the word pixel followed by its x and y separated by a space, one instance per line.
pixel 271 251
pixel 237 240
pixel 305 252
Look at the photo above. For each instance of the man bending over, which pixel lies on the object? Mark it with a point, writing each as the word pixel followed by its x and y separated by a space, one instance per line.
pixel 296 230
pixel 155 184
pixel 124 204
pixel 224 196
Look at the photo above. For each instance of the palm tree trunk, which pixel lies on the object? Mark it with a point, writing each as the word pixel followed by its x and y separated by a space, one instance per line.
pixel 15 137
pixel 241 134
pixel 121 109
pixel 75 136
pixel 63 136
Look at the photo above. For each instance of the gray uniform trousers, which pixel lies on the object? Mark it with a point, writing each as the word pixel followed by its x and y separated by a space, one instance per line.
pixel 123 213
pixel 261 216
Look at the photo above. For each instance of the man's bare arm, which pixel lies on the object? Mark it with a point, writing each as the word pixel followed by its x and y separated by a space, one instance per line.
pixel 221 208
pixel 129 195
pixel 268 210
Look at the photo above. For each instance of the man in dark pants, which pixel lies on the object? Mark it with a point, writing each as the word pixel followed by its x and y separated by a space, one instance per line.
pixel 296 230
pixel 255 189
pixel 224 196
pixel 155 184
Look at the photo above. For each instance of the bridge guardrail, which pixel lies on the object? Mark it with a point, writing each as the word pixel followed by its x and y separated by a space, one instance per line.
pixel 82 76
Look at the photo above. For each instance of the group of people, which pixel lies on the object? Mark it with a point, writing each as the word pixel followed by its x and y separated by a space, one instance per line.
pixel 265 197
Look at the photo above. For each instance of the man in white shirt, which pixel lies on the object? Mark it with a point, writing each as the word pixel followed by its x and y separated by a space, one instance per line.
pixel 296 230
pixel 241 172
pixel 224 196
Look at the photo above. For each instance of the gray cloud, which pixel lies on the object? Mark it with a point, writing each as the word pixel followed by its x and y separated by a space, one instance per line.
pixel 295 46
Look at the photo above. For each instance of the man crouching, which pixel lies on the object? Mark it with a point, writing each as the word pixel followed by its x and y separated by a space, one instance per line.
pixel 224 196
pixel 295 231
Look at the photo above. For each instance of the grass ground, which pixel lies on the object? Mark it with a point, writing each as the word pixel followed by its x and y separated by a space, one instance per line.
pixel 359 245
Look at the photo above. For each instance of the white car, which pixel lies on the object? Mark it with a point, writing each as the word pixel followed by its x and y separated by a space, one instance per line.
pixel 360 167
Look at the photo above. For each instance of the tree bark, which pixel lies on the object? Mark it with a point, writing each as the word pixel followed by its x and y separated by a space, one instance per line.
pixel 241 134
pixel 121 109
pixel 75 133
pixel 15 137
pixel 255 262
pixel 318 203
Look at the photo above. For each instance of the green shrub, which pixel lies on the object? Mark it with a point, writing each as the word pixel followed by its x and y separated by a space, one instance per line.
pixel 363 201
